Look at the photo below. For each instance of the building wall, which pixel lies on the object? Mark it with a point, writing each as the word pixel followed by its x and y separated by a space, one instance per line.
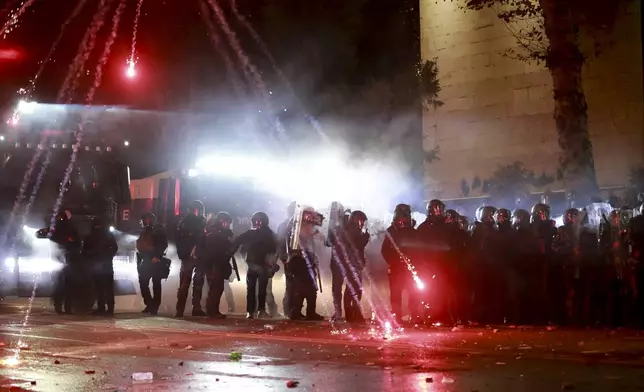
pixel 499 110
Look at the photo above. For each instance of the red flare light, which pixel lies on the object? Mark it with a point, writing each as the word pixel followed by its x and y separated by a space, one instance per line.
pixel 9 54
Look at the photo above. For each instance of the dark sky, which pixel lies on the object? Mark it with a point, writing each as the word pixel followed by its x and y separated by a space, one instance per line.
pixel 178 67
pixel 172 43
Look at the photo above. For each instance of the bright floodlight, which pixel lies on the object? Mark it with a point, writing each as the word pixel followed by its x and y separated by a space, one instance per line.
pixel 192 173
pixel 112 229
pixel 26 107
pixel 126 143
pixel 1 138
pixel 130 73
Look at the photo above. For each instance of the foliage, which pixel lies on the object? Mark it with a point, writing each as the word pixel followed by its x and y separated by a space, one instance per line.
pixel 591 20
pixel 558 33
pixel 433 155
pixel 514 180
pixel 428 84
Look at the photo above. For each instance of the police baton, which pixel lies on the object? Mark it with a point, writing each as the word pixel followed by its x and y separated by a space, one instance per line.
pixel 235 268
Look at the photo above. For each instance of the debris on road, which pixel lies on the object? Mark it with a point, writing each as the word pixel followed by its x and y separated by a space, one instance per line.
pixel 235 356
pixel 56 362
pixel 270 327
pixel 90 371
pixel 448 380
pixel 292 383
pixel 181 363
pixel 429 379
pixel 146 376
pixel 188 347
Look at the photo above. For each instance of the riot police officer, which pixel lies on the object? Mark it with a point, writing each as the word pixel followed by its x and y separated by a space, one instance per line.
pixel 566 249
pixel 301 268
pixel 484 253
pixel 348 262
pixel 525 253
pixel 63 233
pixel 503 269
pixel 99 249
pixel 190 232
pixel 151 263
pixel 337 221
pixel 433 233
pixel 397 250
pixel 261 246
pixel 214 256
pixel 283 239
pixel 547 277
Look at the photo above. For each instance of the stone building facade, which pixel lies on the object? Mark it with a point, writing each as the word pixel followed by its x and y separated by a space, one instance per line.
pixel 498 110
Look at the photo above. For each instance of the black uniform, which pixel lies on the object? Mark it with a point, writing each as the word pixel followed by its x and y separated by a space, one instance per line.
pixel 214 256
pixel 347 265
pixel 484 254
pixel 99 249
pixel 69 245
pixel 151 245
pixel 434 269
pixel 260 245
pixel 190 232
pixel 399 275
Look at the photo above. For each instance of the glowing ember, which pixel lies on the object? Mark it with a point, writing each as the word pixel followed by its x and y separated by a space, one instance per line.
pixel 131 70
pixel 11 361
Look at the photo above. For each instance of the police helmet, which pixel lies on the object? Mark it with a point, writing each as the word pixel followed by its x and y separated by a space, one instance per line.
pixel 358 218
pixel 520 217
pixel 540 213
pixel 571 216
pixel 503 216
pixel 197 208
pixel 259 220
pixel 402 216
pixel 487 214
pixel 222 220
pixel 436 208
pixel 451 217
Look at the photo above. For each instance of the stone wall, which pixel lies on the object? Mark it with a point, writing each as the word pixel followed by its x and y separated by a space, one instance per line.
pixel 498 110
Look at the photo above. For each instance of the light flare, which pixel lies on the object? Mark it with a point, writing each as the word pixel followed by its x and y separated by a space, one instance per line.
pixel 130 71
pixel 11 361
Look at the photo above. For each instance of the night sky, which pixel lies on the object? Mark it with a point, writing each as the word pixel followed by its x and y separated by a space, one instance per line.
pixel 179 70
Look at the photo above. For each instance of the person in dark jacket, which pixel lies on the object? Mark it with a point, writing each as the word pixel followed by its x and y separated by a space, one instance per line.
pixel 63 233
pixel 189 233
pixel 348 262
pixel 151 246
pixel 261 246
pixel 214 255
pixel 396 250
pixel 99 249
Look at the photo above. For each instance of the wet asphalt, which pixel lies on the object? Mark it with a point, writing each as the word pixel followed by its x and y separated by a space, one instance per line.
pixel 89 353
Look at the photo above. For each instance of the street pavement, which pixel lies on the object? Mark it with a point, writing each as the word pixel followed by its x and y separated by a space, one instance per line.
pixel 89 353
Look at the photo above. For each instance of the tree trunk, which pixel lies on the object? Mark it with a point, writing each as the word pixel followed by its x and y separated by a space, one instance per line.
pixel 565 62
